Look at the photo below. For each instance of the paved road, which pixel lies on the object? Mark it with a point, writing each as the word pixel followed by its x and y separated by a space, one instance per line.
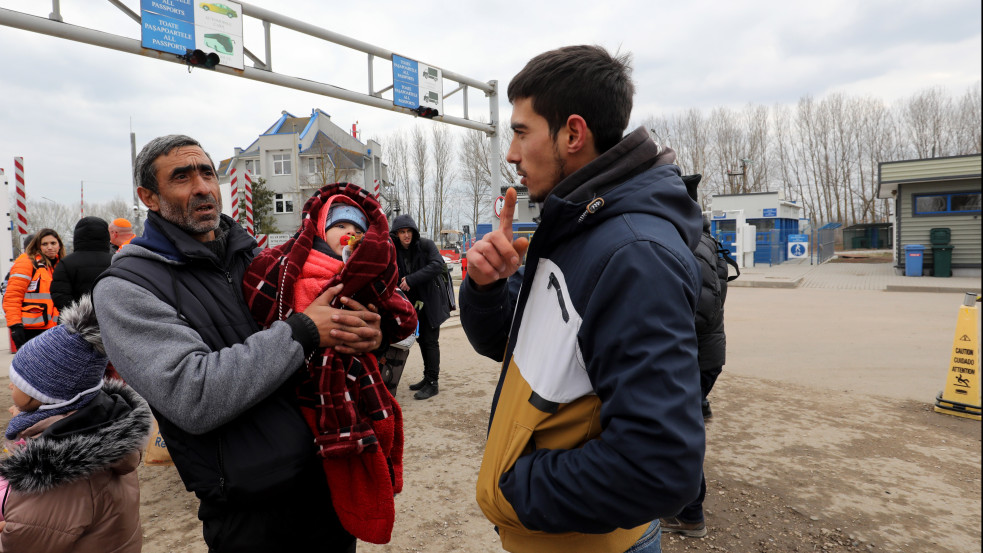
pixel 833 327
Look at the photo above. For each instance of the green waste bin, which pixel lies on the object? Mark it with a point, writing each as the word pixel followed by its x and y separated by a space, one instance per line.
pixel 942 261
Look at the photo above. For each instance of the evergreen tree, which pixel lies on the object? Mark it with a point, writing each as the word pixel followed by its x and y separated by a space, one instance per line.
pixel 262 209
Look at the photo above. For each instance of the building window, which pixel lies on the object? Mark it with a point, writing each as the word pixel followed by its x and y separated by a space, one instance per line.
pixel 281 204
pixel 253 164
pixel 312 166
pixel 281 164
pixel 947 203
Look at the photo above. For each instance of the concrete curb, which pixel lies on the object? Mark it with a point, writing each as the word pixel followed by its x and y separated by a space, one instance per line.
pixel 777 283
pixel 943 289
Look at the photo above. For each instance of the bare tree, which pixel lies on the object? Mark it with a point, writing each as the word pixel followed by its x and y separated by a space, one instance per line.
pixel 443 172
pixel 927 118
pixel 475 169
pixel 396 151
pixel 967 122
pixel 418 153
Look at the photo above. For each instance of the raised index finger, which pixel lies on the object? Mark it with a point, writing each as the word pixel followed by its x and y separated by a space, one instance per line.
pixel 508 212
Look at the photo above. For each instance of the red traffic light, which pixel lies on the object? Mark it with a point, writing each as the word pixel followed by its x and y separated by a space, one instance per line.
pixel 198 58
pixel 429 113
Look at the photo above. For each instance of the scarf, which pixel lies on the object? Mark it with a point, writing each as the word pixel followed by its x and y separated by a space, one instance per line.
pixel 357 424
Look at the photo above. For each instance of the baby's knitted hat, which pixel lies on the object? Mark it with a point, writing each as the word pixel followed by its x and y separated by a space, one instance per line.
pixel 342 209
pixel 64 365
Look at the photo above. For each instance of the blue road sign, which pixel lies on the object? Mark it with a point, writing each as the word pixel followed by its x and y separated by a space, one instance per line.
pixel 183 10
pixel 798 250
pixel 167 34
pixel 769 212
pixel 406 82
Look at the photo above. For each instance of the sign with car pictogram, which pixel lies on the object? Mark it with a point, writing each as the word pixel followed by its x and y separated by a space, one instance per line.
pixel 177 26
pixel 417 85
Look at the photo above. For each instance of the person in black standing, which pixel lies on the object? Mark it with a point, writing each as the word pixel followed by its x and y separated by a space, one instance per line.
pixel 421 270
pixel 90 256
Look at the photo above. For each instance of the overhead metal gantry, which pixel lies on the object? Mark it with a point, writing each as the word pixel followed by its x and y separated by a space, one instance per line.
pixel 262 70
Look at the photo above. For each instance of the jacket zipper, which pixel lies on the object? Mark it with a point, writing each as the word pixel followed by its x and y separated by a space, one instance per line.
pixel 221 468
pixel 555 283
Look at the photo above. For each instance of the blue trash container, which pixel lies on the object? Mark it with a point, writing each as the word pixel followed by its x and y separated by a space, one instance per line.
pixel 914 256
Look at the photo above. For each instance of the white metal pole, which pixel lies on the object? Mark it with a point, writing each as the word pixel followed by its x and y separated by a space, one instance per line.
pixel 6 240
pixel 495 136
pixel 41 25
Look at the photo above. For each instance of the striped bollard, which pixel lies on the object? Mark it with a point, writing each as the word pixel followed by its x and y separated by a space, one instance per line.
pixel 375 192
pixel 261 241
pixel 235 195
pixel 250 226
pixel 21 195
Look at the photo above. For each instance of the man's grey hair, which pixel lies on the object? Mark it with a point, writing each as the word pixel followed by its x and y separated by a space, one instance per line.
pixel 144 171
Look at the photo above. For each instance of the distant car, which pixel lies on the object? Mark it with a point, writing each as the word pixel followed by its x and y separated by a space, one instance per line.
pixel 220 43
pixel 220 9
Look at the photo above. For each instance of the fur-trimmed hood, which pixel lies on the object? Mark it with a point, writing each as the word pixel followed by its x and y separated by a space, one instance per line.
pixel 109 432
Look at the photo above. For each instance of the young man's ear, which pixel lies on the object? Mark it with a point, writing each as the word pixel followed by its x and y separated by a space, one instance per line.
pixel 149 199
pixel 578 138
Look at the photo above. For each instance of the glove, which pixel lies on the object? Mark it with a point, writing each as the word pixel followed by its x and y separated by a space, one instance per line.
pixel 18 334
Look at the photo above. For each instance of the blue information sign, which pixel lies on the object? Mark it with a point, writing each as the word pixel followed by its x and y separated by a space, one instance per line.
pixel 798 237
pixel 167 34
pixel 770 212
pixel 176 9
pixel 406 82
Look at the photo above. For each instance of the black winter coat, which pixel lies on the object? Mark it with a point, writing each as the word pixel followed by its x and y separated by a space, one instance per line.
pixel 710 306
pixel 75 275
pixel 422 266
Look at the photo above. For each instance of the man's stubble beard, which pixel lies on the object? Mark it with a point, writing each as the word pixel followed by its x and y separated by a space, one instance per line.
pixel 559 173
pixel 186 221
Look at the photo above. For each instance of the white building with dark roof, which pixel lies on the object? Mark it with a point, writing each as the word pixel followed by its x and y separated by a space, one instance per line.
pixel 298 155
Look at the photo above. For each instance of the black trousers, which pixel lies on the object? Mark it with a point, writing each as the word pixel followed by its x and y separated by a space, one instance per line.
pixel 300 520
pixel 429 342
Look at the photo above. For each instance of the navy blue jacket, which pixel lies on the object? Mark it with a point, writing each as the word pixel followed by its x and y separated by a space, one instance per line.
pixel 596 423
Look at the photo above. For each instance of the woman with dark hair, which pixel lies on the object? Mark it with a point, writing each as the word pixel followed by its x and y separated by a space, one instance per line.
pixel 27 303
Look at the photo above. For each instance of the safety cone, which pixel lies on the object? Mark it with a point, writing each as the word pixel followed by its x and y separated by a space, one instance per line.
pixel 961 396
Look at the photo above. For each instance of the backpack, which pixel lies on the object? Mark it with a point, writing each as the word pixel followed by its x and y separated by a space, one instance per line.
pixel 723 260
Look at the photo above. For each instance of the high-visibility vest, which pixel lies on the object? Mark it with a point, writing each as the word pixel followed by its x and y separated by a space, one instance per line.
pixel 27 299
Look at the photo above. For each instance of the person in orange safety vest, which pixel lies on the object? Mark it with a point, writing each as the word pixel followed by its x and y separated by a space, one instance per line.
pixel 27 303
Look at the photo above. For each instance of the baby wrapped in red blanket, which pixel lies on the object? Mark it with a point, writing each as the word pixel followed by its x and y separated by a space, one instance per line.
pixel 356 422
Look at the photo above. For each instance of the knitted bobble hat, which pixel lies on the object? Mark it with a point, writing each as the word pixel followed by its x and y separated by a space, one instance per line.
pixel 64 366
pixel 342 209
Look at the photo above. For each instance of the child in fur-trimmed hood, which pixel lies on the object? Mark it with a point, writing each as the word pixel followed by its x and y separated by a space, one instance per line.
pixel 74 445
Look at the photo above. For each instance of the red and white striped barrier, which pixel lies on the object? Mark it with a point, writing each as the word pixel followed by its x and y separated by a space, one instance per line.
pixel 21 196
pixel 235 194
pixel 261 241
pixel 248 185
pixel 375 192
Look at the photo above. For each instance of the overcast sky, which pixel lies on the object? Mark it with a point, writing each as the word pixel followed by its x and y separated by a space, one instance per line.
pixel 68 108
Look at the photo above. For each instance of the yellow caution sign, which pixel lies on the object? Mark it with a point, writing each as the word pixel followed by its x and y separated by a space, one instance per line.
pixel 961 396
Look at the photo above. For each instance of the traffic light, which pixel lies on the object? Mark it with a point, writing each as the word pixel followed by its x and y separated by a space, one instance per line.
pixel 429 113
pixel 198 58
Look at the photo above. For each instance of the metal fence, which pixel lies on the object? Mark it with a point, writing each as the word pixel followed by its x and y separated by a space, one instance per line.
pixel 825 243
pixel 775 244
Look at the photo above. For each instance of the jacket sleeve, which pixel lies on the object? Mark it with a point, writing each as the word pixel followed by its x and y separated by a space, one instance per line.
pixel 487 315
pixel 434 265
pixel 639 348
pixel 170 365
pixel 13 298
pixel 61 286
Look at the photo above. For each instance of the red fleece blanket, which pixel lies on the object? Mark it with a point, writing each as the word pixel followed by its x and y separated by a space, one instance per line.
pixel 357 424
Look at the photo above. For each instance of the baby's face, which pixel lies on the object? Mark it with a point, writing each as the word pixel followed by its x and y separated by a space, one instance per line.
pixel 22 401
pixel 335 233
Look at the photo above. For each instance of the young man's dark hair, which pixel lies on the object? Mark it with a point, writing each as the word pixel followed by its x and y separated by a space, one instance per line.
pixel 582 80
